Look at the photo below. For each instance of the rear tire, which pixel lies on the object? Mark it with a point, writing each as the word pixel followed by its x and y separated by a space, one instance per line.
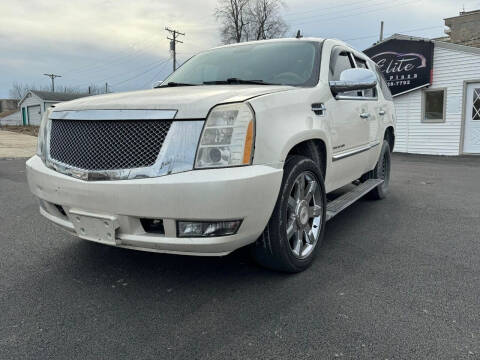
pixel 381 171
pixel 297 226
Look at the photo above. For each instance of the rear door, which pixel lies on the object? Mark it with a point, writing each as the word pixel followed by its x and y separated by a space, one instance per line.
pixel 376 108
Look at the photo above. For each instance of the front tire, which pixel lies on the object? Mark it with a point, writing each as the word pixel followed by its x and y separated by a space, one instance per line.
pixel 297 226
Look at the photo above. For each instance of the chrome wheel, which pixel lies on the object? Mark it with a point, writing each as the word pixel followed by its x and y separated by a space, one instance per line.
pixel 296 228
pixel 304 215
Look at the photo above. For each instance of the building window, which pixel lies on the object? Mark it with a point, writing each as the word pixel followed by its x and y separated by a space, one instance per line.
pixel 433 105
pixel 476 104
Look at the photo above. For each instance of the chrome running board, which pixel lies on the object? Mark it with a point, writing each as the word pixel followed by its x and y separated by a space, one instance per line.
pixel 342 202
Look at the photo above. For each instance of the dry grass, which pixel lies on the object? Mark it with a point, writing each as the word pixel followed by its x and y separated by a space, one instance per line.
pixel 27 130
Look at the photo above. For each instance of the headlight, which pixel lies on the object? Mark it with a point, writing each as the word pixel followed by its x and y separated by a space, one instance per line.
pixel 227 137
pixel 42 135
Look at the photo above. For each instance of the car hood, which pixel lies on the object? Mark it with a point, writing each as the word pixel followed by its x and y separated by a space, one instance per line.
pixel 191 102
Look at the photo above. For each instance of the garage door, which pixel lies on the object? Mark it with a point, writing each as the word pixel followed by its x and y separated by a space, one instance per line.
pixel 34 115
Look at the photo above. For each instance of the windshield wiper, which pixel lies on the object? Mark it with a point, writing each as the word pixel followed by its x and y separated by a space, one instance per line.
pixel 173 84
pixel 237 81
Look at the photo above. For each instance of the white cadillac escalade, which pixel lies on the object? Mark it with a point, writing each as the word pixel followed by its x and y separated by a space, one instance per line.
pixel 239 146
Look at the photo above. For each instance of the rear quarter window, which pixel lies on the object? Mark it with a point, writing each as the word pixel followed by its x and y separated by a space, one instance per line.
pixel 383 85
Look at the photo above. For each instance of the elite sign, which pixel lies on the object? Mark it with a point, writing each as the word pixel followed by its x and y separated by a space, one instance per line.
pixel 405 64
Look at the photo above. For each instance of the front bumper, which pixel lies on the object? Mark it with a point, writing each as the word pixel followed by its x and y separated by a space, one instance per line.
pixel 247 193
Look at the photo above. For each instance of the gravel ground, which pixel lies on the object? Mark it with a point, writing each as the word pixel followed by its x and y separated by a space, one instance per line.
pixel 16 145
pixel 395 279
pixel 26 130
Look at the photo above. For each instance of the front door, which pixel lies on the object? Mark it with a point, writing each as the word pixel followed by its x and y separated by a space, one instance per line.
pixel 350 124
pixel 24 116
pixel 471 140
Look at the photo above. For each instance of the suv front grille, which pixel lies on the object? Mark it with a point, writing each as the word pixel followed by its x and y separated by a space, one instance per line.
pixel 107 144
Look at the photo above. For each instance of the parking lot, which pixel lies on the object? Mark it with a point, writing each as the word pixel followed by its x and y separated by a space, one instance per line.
pixel 395 279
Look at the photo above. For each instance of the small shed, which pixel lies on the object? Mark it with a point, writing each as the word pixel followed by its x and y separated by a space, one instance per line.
pixel 436 89
pixel 34 103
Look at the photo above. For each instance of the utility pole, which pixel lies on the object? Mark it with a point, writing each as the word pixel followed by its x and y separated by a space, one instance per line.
pixel 106 87
pixel 381 30
pixel 53 76
pixel 173 44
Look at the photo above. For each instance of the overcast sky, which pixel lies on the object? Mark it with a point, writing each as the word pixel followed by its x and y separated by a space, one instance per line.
pixel 123 42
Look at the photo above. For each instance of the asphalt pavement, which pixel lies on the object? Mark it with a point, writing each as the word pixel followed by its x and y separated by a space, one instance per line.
pixel 394 279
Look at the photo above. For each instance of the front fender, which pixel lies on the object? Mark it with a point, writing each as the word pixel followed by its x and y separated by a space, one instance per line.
pixel 284 120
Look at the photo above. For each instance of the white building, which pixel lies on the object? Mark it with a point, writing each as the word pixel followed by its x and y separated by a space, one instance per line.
pixel 442 116
pixel 11 118
pixel 34 104
pixel 9 114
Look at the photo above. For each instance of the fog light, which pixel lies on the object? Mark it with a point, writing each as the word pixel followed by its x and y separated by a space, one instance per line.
pixel 207 229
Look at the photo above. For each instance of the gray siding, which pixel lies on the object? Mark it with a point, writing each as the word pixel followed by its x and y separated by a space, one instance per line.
pixel 12 119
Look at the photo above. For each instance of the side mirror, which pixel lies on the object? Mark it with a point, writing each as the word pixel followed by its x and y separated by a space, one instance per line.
pixel 353 80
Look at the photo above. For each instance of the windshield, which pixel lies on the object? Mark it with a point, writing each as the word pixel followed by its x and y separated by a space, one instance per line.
pixel 280 63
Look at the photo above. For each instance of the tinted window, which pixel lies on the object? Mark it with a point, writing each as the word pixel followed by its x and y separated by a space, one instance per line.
pixel 361 63
pixel 339 61
pixel 287 63
pixel 383 85
pixel 434 106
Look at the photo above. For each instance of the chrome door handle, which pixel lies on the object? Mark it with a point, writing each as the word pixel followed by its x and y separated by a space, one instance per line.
pixel 364 115
pixel 319 109
pixel 381 112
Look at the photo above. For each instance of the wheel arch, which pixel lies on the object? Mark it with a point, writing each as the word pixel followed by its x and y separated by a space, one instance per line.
pixel 314 148
pixel 390 136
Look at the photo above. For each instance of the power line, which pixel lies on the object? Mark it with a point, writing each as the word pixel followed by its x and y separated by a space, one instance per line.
pixel 156 75
pixel 398 31
pixel 52 77
pixel 328 13
pixel 406 31
pixel 117 75
pixel 102 68
pixel 140 74
pixel 325 8
pixel 107 61
pixel 173 44
pixel 356 14
pixel 322 10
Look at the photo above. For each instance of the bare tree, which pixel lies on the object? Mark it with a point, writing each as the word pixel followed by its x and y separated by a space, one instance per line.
pixel 244 20
pixel 265 20
pixel 233 16
pixel 19 90
pixel 94 89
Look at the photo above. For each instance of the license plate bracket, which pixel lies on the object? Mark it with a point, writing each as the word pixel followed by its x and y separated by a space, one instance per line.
pixel 95 227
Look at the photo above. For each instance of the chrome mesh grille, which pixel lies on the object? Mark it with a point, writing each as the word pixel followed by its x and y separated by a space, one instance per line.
pixel 107 144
